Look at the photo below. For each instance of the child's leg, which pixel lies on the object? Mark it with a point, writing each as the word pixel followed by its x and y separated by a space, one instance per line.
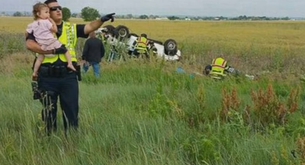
pixel 68 57
pixel 37 64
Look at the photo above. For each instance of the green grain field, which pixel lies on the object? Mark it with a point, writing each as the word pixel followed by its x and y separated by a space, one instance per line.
pixel 144 112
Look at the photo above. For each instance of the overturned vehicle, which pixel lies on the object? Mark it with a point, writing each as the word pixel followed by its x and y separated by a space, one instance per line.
pixel 121 36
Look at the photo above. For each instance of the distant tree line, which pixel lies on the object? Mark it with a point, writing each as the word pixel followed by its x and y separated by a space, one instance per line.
pixel 249 18
pixel 89 14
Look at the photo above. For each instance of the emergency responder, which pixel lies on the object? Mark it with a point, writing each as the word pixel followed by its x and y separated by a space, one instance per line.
pixel 93 52
pixel 141 46
pixel 218 69
pixel 54 79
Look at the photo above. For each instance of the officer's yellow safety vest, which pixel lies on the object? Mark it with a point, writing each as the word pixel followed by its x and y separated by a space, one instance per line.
pixel 68 37
pixel 218 67
pixel 142 43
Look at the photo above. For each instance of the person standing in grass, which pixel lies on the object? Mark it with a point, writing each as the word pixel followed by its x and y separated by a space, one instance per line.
pixel 43 28
pixel 93 53
pixel 54 79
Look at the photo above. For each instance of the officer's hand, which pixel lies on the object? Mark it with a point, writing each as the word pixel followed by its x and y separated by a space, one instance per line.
pixel 61 50
pixel 108 17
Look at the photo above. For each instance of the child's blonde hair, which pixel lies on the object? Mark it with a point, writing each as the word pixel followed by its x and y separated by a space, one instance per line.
pixel 37 8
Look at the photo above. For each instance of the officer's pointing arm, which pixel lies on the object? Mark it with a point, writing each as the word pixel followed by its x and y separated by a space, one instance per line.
pixel 92 26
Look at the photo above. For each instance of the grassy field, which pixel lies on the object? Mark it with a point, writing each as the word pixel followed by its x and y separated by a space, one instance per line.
pixel 250 46
pixel 146 113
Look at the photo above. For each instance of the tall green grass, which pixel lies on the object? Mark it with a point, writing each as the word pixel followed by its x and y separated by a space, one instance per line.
pixel 11 43
pixel 144 112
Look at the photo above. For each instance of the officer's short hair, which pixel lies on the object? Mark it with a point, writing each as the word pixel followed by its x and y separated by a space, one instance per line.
pixel 49 1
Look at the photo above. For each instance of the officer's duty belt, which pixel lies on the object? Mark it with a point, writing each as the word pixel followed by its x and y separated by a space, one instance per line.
pixel 53 70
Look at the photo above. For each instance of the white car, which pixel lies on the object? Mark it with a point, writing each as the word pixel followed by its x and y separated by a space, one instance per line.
pixel 120 35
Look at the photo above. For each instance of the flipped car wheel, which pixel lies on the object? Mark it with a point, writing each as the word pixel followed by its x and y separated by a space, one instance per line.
pixel 122 32
pixel 111 30
pixel 170 47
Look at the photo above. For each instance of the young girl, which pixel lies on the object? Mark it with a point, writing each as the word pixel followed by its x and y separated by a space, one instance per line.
pixel 43 28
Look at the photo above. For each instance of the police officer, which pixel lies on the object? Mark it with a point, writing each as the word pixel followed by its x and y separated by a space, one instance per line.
pixel 141 45
pixel 54 79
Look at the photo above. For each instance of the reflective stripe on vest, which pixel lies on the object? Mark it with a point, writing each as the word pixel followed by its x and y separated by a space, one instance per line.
pixel 142 43
pixel 218 66
pixel 68 38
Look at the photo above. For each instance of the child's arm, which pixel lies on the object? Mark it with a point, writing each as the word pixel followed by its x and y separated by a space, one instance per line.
pixel 54 27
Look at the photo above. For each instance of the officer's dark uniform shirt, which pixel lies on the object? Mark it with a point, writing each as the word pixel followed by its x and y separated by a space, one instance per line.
pixel 79 33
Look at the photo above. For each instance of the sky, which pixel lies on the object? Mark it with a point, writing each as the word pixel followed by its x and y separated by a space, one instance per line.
pixel 227 8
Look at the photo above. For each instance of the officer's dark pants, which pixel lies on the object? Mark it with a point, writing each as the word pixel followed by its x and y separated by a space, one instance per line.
pixel 65 87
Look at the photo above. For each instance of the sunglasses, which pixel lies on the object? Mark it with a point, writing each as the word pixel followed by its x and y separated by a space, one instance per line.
pixel 54 8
